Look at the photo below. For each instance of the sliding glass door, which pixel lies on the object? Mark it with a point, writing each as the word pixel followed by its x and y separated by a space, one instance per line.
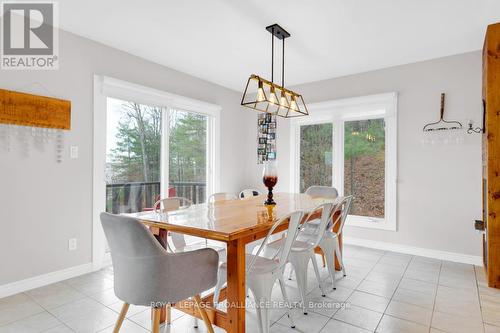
pixel 135 140
pixel 187 155
pixel 133 155
pixel 149 144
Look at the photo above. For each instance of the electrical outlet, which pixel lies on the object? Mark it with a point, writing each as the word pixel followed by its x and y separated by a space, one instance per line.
pixel 72 244
pixel 73 152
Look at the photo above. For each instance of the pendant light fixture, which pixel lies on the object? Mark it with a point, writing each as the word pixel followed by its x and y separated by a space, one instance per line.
pixel 267 96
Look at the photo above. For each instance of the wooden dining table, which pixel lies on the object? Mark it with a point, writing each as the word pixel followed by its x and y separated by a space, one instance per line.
pixel 235 223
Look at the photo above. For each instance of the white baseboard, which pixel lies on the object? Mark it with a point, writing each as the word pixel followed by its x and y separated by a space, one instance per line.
pixel 43 280
pixel 417 251
pixel 68 273
pixel 104 262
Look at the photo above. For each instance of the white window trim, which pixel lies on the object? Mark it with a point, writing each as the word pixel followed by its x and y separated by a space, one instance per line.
pixel 337 112
pixel 105 87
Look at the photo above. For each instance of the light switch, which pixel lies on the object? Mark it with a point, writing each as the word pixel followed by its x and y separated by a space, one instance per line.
pixel 73 152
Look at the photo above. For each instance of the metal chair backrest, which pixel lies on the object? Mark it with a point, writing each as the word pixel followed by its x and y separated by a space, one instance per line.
pixel 171 204
pixel 249 193
pixel 345 206
pixel 327 212
pixel 221 196
pixel 317 191
pixel 292 232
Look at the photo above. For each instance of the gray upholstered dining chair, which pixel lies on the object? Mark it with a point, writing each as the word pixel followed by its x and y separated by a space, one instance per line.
pixel 146 274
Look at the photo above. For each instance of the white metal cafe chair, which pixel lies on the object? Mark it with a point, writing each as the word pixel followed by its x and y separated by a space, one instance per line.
pixel 172 204
pixel 178 240
pixel 317 191
pixel 263 272
pixel 325 192
pixel 249 193
pixel 329 244
pixel 303 250
pixel 221 196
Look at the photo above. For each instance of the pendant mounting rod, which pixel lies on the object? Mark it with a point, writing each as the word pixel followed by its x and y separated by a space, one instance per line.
pixel 277 31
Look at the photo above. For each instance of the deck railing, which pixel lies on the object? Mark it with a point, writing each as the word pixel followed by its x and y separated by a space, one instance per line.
pixel 138 196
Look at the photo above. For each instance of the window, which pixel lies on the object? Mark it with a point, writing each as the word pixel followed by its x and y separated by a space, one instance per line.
pixel 149 144
pixel 364 166
pixel 351 145
pixel 316 144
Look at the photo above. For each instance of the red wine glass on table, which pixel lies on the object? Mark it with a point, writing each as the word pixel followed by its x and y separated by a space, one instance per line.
pixel 270 178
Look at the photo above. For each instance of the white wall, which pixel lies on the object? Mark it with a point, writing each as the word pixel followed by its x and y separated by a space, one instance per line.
pixel 42 203
pixel 439 188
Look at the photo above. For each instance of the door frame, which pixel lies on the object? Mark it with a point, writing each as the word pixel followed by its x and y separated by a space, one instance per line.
pixel 105 87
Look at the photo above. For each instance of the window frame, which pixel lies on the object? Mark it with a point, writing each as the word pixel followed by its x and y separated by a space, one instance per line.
pixel 105 87
pixel 338 112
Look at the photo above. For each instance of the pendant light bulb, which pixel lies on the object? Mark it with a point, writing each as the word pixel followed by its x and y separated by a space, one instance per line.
pixel 260 93
pixel 283 100
pixel 272 96
pixel 293 104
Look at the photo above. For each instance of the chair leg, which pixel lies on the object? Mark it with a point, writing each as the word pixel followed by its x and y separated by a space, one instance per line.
pixel 259 310
pixel 287 300
pixel 266 322
pixel 121 317
pixel 156 320
pixel 221 279
pixel 328 249
pixel 262 290
pixel 299 262
pixel 338 254
pixel 318 276
pixel 203 314
pixel 169 315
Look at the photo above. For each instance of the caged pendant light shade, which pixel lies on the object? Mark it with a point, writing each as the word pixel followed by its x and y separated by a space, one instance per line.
pixel 262 95
pixel 267 96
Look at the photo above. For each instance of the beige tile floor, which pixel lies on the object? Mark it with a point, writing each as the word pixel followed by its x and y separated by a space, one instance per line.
pixel 383 292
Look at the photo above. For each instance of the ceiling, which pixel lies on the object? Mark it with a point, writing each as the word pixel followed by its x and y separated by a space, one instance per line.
pixel 224 41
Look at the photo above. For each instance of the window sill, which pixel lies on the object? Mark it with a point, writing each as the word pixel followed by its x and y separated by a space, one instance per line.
pixel 370 223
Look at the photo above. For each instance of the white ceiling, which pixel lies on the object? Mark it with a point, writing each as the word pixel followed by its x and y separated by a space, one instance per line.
pixel 224 41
